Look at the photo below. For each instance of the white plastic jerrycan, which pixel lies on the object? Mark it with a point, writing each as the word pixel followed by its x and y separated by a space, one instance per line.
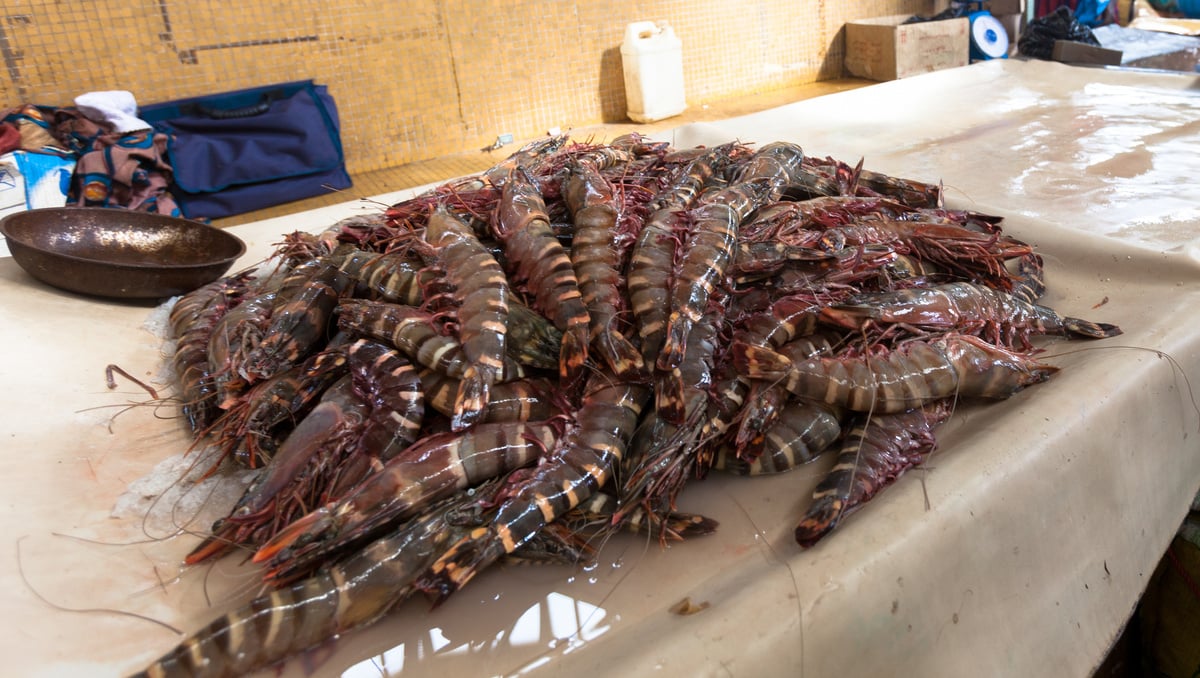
pixel 653 61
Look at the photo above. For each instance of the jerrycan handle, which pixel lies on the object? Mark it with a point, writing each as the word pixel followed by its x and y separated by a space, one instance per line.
pixel 640 30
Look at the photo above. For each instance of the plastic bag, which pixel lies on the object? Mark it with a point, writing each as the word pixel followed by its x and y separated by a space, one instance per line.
pixel 1038 39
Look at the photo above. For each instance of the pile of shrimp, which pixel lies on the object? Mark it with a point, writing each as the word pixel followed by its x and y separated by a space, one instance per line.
pixel 514 363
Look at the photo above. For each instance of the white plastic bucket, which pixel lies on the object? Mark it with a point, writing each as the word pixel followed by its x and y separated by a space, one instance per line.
pixel 652 57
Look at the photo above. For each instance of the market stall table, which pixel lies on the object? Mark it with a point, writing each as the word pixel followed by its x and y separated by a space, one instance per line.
pixel 1020 550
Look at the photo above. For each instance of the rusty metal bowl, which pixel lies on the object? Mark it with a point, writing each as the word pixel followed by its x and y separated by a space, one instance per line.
pixel 118 253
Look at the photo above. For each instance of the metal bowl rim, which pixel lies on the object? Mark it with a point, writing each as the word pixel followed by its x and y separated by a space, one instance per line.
pixel 241 245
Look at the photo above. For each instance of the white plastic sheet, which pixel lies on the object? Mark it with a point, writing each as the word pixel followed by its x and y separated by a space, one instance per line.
pixel 1020 550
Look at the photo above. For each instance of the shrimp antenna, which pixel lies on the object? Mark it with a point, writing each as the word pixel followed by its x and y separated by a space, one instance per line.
pixel 85 610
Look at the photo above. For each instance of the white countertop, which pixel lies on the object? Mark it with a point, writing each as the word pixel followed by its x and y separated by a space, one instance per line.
pixel 1046 513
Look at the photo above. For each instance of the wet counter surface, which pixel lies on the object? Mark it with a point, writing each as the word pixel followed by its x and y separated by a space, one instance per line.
pixel 1021 549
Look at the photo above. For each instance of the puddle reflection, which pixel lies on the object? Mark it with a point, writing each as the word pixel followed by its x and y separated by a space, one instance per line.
pixel 557 622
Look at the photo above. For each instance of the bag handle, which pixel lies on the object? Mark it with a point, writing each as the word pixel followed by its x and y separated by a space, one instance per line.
pixel 262 106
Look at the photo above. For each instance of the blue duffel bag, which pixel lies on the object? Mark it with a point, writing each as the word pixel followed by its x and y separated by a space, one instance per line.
pixel 237 152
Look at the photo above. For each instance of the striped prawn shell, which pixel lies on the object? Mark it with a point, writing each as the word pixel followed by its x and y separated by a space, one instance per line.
pixel 875 450
pixel 411 331
pixel 531 156
pixel 302 615
pixel 481 289
pixel 582 462
pixel 695 404
pixel 597 265
pixel 652 260
pixel 300 318
pixel 392 389
pixel 766 400
pixel 392 276
pixel 538 258
pixel 532 339
pixel 681 393
pixel 518 400
pixel 651 264
pixel 707 254
pixel 443 463
pixel 964 307
pixel 271 408
pixel 605 157
pixel 778 161
pixel 905 191
pixel 278 495
pixel 193 320
pixel 709 251
pixel 482 292
pixel 233 339
pixel 603 508
pixel 800 433
pixel 917 373
pixel 189 308
pixel 434 468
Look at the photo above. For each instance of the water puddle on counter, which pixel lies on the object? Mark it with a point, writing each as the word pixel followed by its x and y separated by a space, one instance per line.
pixel 557 623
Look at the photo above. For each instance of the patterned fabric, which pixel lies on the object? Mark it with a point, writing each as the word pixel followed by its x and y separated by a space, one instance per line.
pixel 116 170
pixel 129 171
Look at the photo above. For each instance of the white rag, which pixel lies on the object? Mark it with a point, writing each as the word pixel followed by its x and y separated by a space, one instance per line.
pixel 117 108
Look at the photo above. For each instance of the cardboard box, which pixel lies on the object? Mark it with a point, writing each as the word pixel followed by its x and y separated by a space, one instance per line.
pixel 885 48
pixel 1151 49
pixel 998 7
pixel 1071 52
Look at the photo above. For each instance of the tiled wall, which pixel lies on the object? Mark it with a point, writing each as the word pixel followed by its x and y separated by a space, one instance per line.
pixel 416 79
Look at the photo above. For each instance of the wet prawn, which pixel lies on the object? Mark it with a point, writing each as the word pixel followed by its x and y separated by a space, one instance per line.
pixel 538 258
pixel 597 260
pixel 482 293
pixel 875 451
pixel 970 308
pixel 915 373
pixel 428 471
pixel 582 462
